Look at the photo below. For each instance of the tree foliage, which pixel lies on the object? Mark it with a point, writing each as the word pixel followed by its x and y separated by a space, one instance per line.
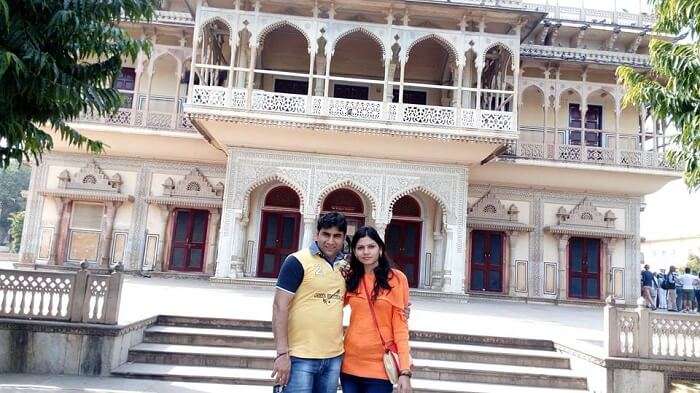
pixel 671 90
pixel 693 263
pixel 13 181
pixel 58 59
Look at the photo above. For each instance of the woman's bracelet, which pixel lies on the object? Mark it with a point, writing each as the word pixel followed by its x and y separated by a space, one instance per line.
pixel 407 373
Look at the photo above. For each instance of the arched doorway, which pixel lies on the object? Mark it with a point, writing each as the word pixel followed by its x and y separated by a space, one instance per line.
pixel 403 238
pixel 350 204
pixel 279 233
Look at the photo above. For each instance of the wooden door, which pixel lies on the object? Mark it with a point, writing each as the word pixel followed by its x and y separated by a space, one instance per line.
pixel 279 237
pixel 189 238
pixel 403 240
pixel 584 268
pixel 486 261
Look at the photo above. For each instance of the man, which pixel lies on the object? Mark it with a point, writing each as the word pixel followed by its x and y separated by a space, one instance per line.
pixel 648 287
pixel 688 282
pixel 671 279
pixel 307 315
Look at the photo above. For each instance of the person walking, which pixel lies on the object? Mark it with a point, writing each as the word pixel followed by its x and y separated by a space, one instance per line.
pixel 377 296
pixel 662 292
pixel 307 313
pixel 648 287
pixel 670 285
pixel 688 282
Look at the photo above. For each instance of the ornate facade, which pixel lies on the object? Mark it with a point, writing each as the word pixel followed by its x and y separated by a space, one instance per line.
pixel 487 144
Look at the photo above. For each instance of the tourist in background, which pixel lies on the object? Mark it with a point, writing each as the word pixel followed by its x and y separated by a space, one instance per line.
pixel 688 282
pixel 669 284
pixel 648 287
pixel 697 295
pixel 662 293
pixel 679 291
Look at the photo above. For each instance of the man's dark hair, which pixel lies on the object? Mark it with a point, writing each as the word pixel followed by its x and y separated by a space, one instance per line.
pixel 332 220
pixel 687 270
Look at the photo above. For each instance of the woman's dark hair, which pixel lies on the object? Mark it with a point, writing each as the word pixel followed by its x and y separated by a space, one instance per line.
pixel 382 273
pixel 332 220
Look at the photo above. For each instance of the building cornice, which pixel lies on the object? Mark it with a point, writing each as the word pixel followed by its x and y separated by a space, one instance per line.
pixel 585 55
pixel 88 196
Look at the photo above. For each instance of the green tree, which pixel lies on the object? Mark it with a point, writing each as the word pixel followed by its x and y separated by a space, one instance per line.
pixel 13 181
pixel 16 224
pixel 694 263
pixel 58 59
pixel 671 89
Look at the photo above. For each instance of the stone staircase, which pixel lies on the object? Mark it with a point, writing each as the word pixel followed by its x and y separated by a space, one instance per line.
pixel 238 352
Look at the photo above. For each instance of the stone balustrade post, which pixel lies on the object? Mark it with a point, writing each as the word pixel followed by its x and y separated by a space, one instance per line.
pixel 77 298
pixel 611 328
pixel 114 295
pixel 643 336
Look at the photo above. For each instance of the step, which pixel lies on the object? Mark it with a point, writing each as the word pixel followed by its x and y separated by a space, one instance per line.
pixel 209 337
pixel 192 355
pixel 205 356
pixel 488 354
pixel 441 370
pixel 254 377
pixel 423 336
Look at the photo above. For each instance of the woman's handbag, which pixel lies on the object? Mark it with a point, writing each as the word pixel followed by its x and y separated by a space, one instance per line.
pixel 391 351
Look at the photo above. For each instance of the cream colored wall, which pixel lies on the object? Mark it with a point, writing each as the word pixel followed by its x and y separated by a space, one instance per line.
pixel 285 50
pixel 52 175
pixel 122 220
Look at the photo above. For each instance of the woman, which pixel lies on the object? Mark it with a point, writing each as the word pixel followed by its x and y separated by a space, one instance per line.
pixel 370 272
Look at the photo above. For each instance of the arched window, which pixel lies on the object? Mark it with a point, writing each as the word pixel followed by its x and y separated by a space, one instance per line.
pixel 344 201
pixel 406 206
pixel 282 197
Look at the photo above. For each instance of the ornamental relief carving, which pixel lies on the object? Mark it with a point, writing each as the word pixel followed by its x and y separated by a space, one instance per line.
pixel 90 177
pixel 193 185
pixel 587 215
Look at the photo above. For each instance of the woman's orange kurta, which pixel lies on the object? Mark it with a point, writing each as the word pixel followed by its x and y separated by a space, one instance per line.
pixel 363 346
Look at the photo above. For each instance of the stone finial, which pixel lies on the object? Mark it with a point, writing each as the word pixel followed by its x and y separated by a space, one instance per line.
pixel 513 212
pixel 116 181
pixel 610 300
pixel 610 218
pixel 562 214
pixel 168 186
pixel 63 179
pixel 219 189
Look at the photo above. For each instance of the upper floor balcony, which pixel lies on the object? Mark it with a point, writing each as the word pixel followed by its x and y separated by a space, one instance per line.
pixel 322 72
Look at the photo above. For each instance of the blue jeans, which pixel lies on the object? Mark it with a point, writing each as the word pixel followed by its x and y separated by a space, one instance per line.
pixel 679 297
pixel 353 384
pixel 314 375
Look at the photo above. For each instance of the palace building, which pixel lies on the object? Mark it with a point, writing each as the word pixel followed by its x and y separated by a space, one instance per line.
pixel 486 140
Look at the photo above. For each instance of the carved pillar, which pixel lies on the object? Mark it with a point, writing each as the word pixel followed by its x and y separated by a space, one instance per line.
pixel 512 241
pixel 239 238
pixel 106 237
pixel 251 76
pixel 468 77
pixel 212 231
pixel 438 259
pixel 160 264
pixel 308 235
pixel 380 226
pixel 606 266
pixel 454 261
pixel 562 247
pixel 175 110
pixel 61 204
pixel 320 68
pixel 243 60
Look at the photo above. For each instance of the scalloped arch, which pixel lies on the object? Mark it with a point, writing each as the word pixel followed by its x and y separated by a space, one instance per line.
pixel 213 18
pixel 275 178
pixel 362 30
pixel 347 183
pixel 276 25
pixel 441 40
pixel 501 44
pixel 427 191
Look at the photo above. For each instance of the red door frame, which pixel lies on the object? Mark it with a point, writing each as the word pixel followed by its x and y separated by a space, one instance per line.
pixel 401 222
pixel 503 259
pixel 188 244
pixel 585 275
pixel 264 222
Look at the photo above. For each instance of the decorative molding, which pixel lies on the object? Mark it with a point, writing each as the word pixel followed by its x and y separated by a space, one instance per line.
pixel 585 220
pixel 87 196
pixel 489 213
pixel 193 185
pixel 91 178
pixel 584 55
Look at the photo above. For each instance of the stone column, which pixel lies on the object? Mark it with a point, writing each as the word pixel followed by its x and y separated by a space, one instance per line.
pixel 437 263
pixel 454 262
pixel 239 238
pixel 320 70
pixel 106 237
pixel 512 241
pixel 166 242
pixel 212 232
pixel 606 267
pixel 308 234
pixel 380 226
pixel 251 76
pixel 562 246
pixel 61 204
pixel 225 254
